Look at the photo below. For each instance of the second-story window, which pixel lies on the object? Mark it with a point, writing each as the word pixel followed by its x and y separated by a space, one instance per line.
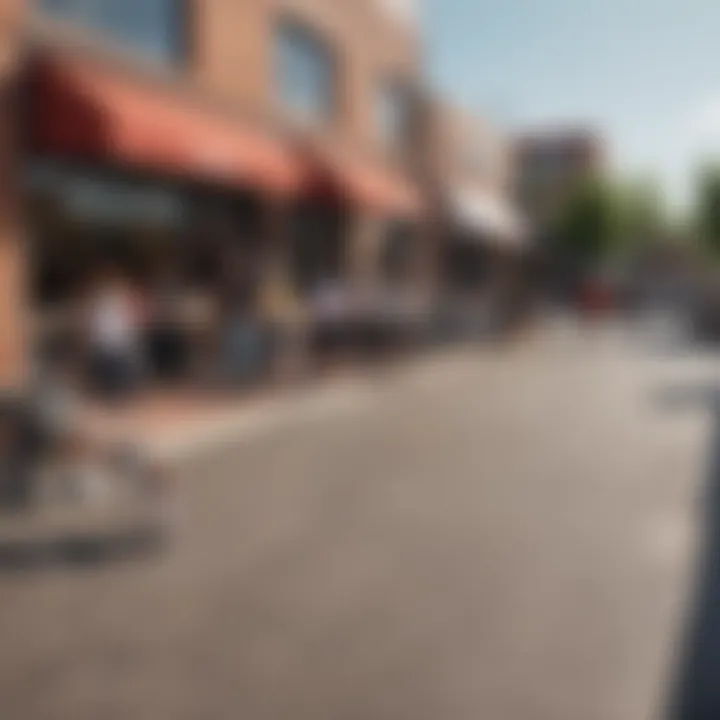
pixel 305 71
pixel 154 28
pixel 394 114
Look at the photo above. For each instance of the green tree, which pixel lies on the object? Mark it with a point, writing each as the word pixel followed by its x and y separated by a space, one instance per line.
pixel 587 227
pixel 606 221
pixel 641 215
pixel 707 208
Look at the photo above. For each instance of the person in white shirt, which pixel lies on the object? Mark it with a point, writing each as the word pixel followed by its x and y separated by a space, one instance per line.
pixel 115 335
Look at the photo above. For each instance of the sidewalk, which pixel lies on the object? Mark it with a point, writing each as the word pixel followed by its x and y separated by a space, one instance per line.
pixel 177 425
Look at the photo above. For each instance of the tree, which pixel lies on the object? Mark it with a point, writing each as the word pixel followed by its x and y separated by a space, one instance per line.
pixel 707 208
pixel 641 215
pixel 606 220
pixel 587 227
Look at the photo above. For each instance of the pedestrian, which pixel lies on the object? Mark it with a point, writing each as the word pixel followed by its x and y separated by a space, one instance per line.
pixel 241 346
pixel 330 308
pixel 283 312
pixel 115 323
pixel 167 338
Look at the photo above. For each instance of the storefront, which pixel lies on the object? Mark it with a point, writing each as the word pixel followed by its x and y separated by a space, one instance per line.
pixel 483 249
pixel 83 216
pixel 124 170
pixel 370 211
pixel 123 174
pixel 375 216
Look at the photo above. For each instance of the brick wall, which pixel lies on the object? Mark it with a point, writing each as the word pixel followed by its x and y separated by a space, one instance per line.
pixel 13 325
pixel 233 57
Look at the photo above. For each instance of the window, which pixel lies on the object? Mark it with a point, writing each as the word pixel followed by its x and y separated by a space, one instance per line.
pixel 154 28
pixel 305 71
pixel 393 114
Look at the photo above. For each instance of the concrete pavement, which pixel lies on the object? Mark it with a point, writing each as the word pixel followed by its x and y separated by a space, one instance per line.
pixel 504 534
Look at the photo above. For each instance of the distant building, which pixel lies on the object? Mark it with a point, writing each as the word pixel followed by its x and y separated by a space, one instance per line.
pixel 471 164
pixel 480 237
pixel 550 166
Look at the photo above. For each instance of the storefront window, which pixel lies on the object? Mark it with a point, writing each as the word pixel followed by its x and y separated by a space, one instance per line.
pixel 153 27
pixel 317 247
pixel 81 218
pixel 398 250
pixel 92 198
pixel 466 265
pixel 305 71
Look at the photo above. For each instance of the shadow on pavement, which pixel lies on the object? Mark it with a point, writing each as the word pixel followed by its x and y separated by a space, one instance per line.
pixel 687 397
pixel 23 557
pixel 696 694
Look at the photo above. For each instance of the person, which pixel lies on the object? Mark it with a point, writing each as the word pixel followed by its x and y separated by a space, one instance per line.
pixel 167 341
pixel 330 311
pixel 241 348
pixel 283 310
pixel 115 326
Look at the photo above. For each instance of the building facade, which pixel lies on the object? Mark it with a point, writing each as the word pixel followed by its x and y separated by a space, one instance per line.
pixel 157 129
pixel 472 171
pixel 295 134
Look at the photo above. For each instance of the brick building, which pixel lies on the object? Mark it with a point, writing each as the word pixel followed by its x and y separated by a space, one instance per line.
pixel 163 129
pixel 298 132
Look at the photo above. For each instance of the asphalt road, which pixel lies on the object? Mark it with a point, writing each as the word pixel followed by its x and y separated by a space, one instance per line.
pixel 500 534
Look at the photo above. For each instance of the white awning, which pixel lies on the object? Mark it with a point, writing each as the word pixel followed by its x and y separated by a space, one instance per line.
pixel 490 216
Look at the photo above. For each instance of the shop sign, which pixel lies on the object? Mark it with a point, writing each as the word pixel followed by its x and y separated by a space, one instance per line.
pixel 115 202
pixel 92 198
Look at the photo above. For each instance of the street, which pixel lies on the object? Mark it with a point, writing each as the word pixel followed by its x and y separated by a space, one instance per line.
pixel 502 533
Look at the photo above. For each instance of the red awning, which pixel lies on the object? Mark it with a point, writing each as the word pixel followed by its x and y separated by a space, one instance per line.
pixel 86 112
pixel 366 185
pixel 380 191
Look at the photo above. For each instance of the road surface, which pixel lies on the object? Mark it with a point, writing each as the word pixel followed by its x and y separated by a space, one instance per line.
pixel 500 534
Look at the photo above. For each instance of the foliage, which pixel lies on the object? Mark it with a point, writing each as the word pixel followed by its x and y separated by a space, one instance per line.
pixel 641 214
pixel 584 231
pixel 604 220
pixel 707 209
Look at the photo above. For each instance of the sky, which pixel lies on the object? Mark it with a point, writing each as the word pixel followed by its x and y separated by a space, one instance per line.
pixel 645 74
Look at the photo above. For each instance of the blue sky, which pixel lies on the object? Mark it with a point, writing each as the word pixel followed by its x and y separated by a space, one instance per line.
pixel 645 73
